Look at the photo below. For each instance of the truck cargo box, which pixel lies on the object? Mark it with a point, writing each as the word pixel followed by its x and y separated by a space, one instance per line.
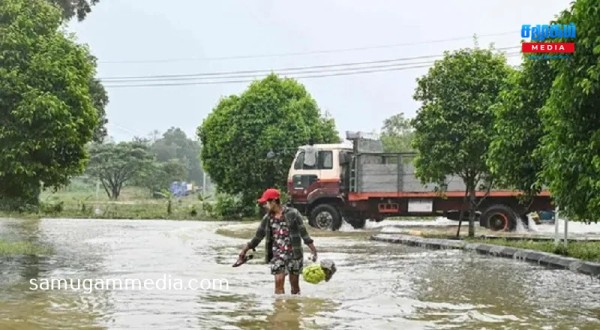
pixel 388 173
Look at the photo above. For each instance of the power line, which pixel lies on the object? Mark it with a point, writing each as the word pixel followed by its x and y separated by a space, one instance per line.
pixel 350 65
pixel 250 74
pixel 322 74
pixel 218 82
pixel 329 51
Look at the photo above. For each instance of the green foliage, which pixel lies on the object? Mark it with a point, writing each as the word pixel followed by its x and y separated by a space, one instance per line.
pixel 397 135
pixel 173 170
pixel 513 158
pixel 273 114
pixel 52 206
pixel 80 9
pixel 47 115
pixel 176 146
pixel 116 164
pixel 99 100
pixel 75 8
pixel 571 119
pixel 230 207
pixel 453 126
pixel 158 176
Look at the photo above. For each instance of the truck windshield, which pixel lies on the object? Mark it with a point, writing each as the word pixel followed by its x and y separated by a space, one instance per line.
pixel 323 161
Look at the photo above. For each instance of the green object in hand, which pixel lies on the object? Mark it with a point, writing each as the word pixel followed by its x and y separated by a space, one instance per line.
pixel 313 273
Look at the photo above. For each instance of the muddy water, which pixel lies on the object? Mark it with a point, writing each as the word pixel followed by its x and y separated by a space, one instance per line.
pixel 378 285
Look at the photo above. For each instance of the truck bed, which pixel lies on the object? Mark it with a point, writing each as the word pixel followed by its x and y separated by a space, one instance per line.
pixel 388 173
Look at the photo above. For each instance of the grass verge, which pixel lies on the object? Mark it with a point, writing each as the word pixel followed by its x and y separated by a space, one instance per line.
pixel 21 248
pixel 132 204
pixel 108 210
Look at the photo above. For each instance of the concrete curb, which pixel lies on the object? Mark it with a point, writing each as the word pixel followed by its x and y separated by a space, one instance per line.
pixel 541 258
pixel 540 238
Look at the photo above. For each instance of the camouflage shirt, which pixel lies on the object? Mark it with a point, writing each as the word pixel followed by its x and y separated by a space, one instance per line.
pixel 297 234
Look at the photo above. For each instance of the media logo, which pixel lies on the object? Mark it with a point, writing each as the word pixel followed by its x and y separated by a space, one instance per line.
pixel 539 33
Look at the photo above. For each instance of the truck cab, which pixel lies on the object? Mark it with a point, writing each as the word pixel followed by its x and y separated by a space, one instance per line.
pixel 316 173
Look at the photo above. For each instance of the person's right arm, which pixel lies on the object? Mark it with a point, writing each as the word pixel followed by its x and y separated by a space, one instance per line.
pixel 258 237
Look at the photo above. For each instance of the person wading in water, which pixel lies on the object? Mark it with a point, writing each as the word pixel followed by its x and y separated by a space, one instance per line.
pixel 284 231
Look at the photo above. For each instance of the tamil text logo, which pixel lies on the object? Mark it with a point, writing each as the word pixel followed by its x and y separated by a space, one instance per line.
pixel 540 33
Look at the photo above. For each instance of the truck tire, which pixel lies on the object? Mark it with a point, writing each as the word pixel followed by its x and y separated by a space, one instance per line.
pixel 325 216
pixel 499 218
pixel 357 223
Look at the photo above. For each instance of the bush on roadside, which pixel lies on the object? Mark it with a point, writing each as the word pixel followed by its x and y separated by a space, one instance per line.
pixel 52 206
pixel 231 207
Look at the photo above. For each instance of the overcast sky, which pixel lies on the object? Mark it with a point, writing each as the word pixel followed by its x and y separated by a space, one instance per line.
pixel 158 37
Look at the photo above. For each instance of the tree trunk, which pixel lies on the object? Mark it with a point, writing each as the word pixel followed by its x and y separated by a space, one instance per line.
pixel 462 212
pixel 115 192
pixel 460 216
pixel 472 208
pixel 105 186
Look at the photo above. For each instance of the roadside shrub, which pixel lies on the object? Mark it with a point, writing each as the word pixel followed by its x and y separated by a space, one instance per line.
pixel 228 206
pixel 52 206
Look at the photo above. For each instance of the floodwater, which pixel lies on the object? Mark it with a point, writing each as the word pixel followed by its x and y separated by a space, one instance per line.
pixel 377 286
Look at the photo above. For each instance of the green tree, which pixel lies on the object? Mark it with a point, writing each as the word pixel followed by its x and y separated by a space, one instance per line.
pixel 273 114
pixel 397 135
pixel 513 158
pixel 117 164
pixel 175 144
pixel 159 175
pixel 46 112
pixel 571 119
pixel 75 8
pixel 453 125
pixel 80 8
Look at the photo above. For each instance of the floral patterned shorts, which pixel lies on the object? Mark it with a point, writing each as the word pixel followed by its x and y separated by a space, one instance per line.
pixel 292 266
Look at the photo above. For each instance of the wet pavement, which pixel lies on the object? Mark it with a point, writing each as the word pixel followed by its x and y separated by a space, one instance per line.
pixel 377 286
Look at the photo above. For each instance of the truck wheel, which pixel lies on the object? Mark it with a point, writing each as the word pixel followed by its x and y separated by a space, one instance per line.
pixel 357 223
pixel 499 218
pixel 325 216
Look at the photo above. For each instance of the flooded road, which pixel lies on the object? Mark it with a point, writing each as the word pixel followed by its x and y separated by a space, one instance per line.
pixel 377 286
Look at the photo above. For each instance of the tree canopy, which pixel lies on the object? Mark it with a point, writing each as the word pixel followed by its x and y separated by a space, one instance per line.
pixel 75 8
pixel 116 164
pixel 453 125
pixel 273 114
pixel 100 101
pixel 175 145
pixel 47 114
pixel 571 118
pixel 513 157
pixel 397 134
pixel 80 9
